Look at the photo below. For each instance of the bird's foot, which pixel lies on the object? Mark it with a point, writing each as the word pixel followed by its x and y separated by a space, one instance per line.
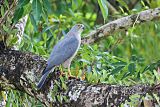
pixel 62 73
pixel 69 76
pixel 72 77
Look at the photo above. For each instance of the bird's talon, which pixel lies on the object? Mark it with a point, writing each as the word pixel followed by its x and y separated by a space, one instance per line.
pixel 62 74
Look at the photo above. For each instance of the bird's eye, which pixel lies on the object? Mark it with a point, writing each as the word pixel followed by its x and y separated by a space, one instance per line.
pixel 79 26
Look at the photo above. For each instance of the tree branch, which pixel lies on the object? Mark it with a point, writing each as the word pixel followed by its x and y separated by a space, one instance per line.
pixel 21 71
pixel 121 24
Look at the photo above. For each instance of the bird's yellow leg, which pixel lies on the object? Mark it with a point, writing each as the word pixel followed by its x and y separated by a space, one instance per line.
pixel 69 73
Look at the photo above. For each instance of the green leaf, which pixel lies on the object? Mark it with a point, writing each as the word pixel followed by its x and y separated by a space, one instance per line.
pixel 119 63
pixel 44 36
pixel 157 75
pixel 150 67
pixel 2 11
pixel 47 28
pixel 138 75
pixel 41 51
pixel 76 4
pixel 5 28
pixel 18 14
pixel 6 4
pixel 9 100
pixel 64 86
pixel 27 9
pixel 116 70
pixel 123 4
pixel 47 5
pixel 104 9
pixel 142 2
pixel 157 98
pixel 146 68
pixel 36 10
pixel 125 75
pixel 22 3
pixel 13 40
pixel 59 97
pixel 131 68
pixel 33 22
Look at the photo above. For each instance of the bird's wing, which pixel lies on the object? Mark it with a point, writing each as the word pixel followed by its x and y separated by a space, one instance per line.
pixel 64 50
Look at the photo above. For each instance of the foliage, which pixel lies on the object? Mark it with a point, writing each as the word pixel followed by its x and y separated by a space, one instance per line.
pixel 124 58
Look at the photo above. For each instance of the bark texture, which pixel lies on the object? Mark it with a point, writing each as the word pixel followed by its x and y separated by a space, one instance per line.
pixel 21 71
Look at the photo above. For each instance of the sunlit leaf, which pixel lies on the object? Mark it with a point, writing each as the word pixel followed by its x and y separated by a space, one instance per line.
pixel 123 3
pixel 104 9
pixel 27 9
pixel 41 51
pixel 2 10
pixel 157 75
pixel 5 28
pixel 6 3
pixel 157 98
pixel 76 4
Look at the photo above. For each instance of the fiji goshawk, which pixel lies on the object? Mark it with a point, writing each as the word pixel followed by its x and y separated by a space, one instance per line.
pixel 63 52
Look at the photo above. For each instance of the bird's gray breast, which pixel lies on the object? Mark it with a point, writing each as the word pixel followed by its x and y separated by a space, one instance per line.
pixel 64 50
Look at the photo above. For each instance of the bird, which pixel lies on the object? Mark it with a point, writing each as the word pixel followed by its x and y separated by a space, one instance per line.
pixel 63 52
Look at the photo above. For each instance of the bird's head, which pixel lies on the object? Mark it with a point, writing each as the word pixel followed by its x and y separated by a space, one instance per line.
pixel 78 28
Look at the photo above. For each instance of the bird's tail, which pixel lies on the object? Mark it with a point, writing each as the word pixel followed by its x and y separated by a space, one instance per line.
pixel 42 80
